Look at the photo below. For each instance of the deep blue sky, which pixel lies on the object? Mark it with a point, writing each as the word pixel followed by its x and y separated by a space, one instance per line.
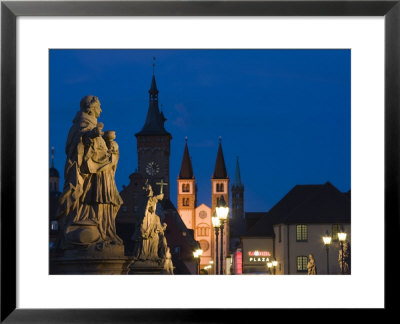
pixel 285 113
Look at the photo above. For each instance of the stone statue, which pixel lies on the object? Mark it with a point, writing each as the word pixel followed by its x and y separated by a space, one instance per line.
pixel 346 258
pixel 149 232
pixel 168 266
pixel 311 267
pixel 90 199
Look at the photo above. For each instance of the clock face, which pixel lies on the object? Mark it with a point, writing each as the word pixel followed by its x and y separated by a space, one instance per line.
pixel 152 168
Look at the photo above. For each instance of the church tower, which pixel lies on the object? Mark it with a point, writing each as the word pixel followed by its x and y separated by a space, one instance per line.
pixel 153 144
pixel 187 190
pixel 220 186
pixel 237 195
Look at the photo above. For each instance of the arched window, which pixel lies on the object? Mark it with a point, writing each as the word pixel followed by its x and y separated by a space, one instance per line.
pixel 185 187
pixel 220 187
pixel 185 202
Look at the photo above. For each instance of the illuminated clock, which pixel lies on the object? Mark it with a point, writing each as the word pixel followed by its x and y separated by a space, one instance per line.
pixel 152 168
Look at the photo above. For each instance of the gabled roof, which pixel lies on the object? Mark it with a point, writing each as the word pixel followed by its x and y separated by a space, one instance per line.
pixel 220 169
pixel 186 167
pixel 154 124
pixel 263 229
pixel 307 204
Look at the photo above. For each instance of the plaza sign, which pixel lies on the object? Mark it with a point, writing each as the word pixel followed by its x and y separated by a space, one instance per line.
pixel 258 256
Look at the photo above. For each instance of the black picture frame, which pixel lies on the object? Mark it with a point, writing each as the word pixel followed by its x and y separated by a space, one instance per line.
pixel 10 10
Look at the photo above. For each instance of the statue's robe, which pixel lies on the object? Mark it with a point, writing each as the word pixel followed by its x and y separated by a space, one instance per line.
pixel 90 196
pixel 147 231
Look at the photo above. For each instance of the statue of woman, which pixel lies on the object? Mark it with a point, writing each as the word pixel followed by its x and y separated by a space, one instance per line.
pixel 90 199
pixel 311 267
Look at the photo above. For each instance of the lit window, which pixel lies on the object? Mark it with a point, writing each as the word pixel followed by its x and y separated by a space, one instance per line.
pixel 203 231
pixel 54 226
pixel 302 263
pixel 301 233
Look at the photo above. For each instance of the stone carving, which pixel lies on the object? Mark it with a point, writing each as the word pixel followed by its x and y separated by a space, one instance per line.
pixel 168 266
pixel 150 243
pixel 346 258
pixel 311 267
pixel 90 199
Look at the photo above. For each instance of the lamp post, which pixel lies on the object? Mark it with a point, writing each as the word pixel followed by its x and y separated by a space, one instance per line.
pixel 222 211
pixel 216 224
pixel 342 238
pixel 327 241
pixel 197 254
pixel 272 265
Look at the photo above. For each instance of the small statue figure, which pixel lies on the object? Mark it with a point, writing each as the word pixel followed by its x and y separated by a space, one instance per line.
pixel 90 199
pixel 148 230
pixel 168 266
pixel 311 267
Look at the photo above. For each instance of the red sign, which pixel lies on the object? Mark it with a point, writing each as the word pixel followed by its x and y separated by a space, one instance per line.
pixel 238 262
pixel 259 253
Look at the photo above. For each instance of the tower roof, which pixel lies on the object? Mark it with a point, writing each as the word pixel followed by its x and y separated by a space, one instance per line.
pixel 154 124
pixel 238 181
pixel 186 167
pixel 220 169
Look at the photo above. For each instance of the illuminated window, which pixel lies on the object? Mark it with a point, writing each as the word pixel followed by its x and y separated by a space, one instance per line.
pixel 185 201
pixel 54 226
pixel 301 233
pixel 302 263
pixel 203 231
pixel 336 228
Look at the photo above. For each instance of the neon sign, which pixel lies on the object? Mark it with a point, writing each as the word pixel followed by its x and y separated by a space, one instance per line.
pixel 259 253
pixel 259 256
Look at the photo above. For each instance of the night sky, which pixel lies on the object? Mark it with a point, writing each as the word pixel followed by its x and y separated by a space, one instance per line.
pixel 284 113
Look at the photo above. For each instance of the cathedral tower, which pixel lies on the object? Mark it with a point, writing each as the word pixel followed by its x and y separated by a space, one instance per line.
pixel 237 195
pixel 54 175
pixel 220 186
pixel 187 190
pixel 153 144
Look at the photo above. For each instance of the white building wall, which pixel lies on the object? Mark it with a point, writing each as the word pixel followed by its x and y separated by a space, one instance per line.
pixel 315 246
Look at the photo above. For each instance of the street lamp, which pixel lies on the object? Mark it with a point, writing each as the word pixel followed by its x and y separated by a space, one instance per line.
pixel 342 238
pixel 272 265
pixel 216 224
pixel 222 211
pixel 196 255
pixel 327 241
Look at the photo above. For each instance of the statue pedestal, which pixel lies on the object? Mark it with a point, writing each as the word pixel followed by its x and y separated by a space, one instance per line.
pixel 91 261
pixel 146 268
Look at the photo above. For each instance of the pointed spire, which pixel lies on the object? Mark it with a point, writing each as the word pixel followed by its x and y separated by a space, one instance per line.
pixel 186 167
pixel 238 181
pixel 154 124
pixel 220 169
pixel 53 170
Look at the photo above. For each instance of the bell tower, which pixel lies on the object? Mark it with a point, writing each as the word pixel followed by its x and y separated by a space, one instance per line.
pixel 237 195
pixel 220 187
pixel 187 190
pixel 153 144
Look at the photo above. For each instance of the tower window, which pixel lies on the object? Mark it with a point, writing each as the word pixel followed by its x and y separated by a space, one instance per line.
pixel 220 187
pixel 185 187
pixel 185 201
pixel 203 231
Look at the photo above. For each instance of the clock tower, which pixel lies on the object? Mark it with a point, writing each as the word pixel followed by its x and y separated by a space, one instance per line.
pixel 153 144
